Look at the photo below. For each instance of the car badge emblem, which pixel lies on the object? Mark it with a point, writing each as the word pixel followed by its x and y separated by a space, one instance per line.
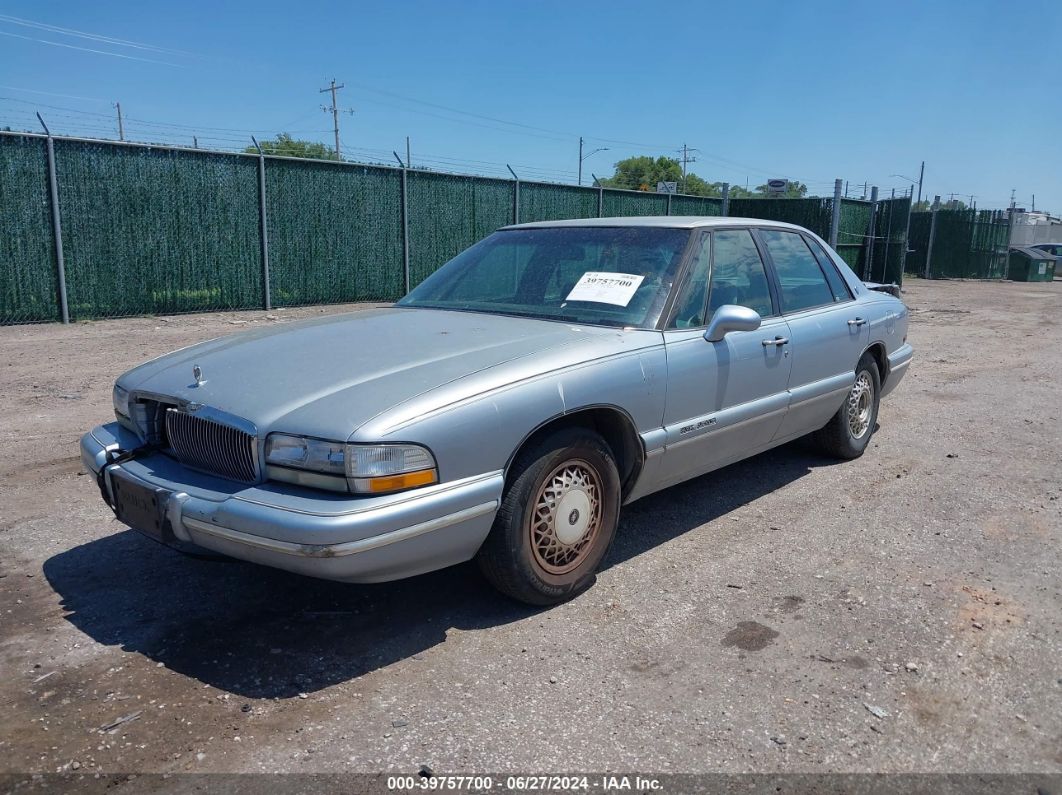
pixel 197 374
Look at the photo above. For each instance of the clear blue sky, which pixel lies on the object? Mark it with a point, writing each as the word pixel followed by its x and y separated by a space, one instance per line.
pixel 808 90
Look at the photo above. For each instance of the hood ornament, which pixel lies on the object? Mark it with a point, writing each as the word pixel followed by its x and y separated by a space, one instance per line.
pixel 197 374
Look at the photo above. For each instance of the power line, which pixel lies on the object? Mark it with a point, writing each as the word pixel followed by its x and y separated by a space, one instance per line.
pixel 89 49
pixel 90 36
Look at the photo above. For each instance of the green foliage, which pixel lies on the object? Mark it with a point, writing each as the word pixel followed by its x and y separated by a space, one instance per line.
pixel 287 146
pixel 642 173
pixel 794 190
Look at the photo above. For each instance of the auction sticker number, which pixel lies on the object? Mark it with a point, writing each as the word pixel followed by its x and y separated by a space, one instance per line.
pixel 606 288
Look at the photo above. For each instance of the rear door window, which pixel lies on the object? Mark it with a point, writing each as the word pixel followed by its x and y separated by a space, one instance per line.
pixel 803 284
pixel 837 282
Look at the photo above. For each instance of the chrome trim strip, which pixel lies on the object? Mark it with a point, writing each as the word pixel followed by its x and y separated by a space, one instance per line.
pixel 347 548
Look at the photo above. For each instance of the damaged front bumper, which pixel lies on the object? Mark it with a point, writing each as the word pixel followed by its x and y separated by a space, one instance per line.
pixel 320 534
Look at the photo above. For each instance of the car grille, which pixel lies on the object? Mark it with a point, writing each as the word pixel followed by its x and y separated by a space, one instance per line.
pixel 212 447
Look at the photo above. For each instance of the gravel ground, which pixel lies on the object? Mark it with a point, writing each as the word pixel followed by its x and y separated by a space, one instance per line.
pixel 898 613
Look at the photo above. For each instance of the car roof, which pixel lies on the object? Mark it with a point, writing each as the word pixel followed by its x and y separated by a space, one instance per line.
pixel 667 221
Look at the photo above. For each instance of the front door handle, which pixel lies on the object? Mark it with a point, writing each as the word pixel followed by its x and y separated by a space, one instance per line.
pixel 857 322
pixel 776 341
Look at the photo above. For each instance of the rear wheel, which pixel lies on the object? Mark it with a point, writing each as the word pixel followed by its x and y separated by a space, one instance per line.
pixel 556 521
pixel 848 432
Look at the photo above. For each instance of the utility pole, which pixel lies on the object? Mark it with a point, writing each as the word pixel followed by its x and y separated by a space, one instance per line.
pixel 1034 203
pixel 335 110
pixel 121 129
pixel 921 174
pixel 686 158
pixel 1012 203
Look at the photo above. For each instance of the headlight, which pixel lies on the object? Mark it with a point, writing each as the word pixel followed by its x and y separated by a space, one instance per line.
pixel 362 469
pixel 120 399
pixel 302 453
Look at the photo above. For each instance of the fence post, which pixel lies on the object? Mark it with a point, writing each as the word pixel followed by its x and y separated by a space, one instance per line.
pixel 726 199
pixel 263 227
pixel 57 224
pixel 600 195
pixel 932 233
pixel 868 271
pixel 516 195
pixel 888 238
pixel 835 221
pixel 907 234
pixel 405 223
pixel 668 210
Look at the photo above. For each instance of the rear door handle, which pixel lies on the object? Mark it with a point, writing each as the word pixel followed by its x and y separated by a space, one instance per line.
pixel 776 341
pixel 857 322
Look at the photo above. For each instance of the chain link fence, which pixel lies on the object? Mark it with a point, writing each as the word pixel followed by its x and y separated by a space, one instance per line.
pixel 159 230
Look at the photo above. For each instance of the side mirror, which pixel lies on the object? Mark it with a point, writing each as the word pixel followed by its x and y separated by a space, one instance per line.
pixel 730 317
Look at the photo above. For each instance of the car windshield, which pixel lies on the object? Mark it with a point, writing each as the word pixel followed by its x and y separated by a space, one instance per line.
pixel 614 276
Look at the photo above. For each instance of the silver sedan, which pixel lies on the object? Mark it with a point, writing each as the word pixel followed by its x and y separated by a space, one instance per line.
pixel 508 406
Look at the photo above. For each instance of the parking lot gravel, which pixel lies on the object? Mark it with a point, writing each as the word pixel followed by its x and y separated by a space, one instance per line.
pixel 897 613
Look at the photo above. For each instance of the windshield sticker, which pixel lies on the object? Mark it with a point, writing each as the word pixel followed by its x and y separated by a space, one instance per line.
pixel 606 288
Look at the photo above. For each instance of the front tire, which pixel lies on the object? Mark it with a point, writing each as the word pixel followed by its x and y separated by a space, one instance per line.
pixel 557 520
pixel 848 432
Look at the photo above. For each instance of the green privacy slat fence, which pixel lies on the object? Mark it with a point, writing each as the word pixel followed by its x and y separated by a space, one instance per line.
pixel 625 203
pixel 918 243
pixel 540 202
pixel 28 284
pixel 813 214
pixel 449 213
pixel 156 230
pixel 853 232
pixel 696 205
pixel 890 239
pixel 965 244
pixel 335 232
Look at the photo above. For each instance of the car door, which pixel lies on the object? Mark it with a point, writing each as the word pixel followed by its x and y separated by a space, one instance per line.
pixel 827 332
pixel 725 399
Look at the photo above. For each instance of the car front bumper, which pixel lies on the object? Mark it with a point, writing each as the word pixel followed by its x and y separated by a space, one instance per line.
pixel 331 536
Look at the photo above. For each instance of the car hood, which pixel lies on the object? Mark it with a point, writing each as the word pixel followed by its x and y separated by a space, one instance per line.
pixel 328 376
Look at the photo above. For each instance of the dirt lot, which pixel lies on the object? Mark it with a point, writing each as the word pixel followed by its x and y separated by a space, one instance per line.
pixel 754 619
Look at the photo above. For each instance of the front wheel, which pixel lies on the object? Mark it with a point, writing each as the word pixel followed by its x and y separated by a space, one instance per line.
pixel 848 432
pixel 556 521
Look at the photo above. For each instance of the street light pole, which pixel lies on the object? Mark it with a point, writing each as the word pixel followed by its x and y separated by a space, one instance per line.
pixel 583 157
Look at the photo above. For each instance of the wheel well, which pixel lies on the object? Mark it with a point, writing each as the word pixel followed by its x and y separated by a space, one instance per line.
pixel 613 425
pixel 877 350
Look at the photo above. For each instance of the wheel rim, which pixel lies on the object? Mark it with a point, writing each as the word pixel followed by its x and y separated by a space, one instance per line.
pixel 566 517
pixel 860 405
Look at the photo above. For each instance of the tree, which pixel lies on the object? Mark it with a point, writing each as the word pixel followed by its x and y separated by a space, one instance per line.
pixel 287 146
pixel 643 173
pixel 794 190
